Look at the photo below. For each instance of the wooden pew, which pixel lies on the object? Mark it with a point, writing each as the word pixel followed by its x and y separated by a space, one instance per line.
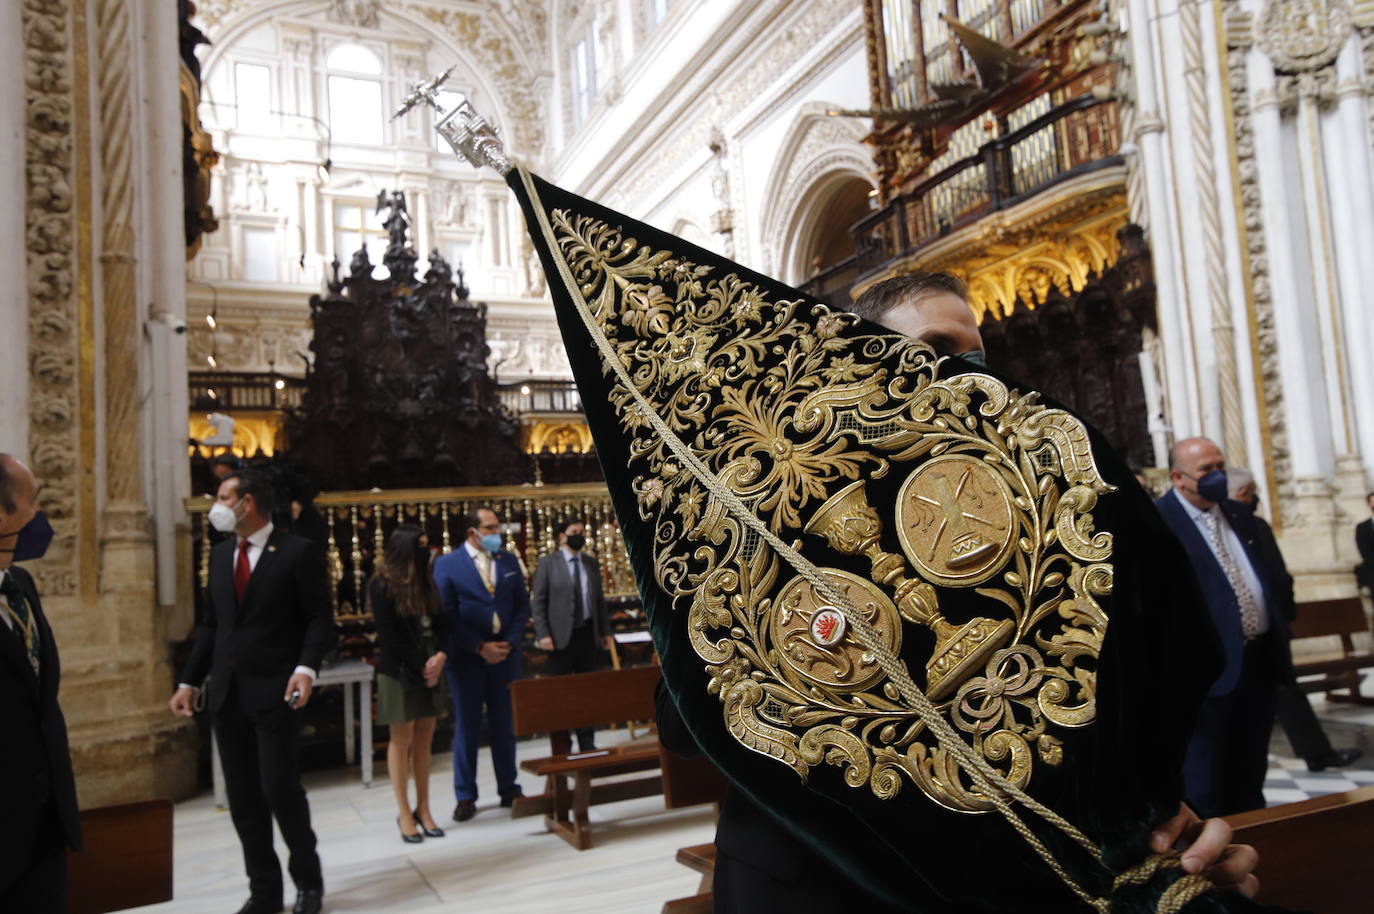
pixel 1340 670
pixel 692 782
pixel 559 704
pixel 1314 855
pixel 127 862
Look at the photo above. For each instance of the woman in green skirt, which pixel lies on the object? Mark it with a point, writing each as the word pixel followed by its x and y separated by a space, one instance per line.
pixel 411 692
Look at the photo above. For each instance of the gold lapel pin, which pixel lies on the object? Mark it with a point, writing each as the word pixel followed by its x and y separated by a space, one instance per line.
pixel 271 548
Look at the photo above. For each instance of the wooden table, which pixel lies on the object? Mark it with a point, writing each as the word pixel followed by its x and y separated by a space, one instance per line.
pixel 347 674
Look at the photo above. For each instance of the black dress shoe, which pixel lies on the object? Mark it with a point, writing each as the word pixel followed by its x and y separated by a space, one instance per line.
pixel 508 800
pixel 262 906
pixel 465 810
pixel 411 839
pixel 435 832
pixel 309 901
pixel 1335 758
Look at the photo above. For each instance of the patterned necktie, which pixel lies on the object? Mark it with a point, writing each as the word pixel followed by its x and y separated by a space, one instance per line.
pixel 242 571
pixel 485 569
pixel 1221 546
pixel 579 610
pixel 24 624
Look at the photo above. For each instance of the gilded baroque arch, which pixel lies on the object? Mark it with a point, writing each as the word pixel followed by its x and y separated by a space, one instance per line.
pixel 818 152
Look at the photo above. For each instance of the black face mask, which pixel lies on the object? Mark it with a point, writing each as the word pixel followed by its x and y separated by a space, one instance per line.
pixel 576 541
pixel 975 356
pixel 32 541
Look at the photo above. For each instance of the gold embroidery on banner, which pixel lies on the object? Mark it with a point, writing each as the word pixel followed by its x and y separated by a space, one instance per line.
pixel 797 418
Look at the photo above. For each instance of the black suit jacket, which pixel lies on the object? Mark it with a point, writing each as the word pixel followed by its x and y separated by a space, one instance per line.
pixel 401 649
pixel 1263 553
pixel 1364 540
pixel 284 621
pixel 35 765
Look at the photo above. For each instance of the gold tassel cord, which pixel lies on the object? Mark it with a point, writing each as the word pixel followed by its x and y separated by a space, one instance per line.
pixel 983 775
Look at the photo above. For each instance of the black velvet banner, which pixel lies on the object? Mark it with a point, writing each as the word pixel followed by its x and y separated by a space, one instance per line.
pixel 998 544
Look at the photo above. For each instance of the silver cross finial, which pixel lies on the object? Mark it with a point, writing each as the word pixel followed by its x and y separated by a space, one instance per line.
pixel 424 93
pixel 470 135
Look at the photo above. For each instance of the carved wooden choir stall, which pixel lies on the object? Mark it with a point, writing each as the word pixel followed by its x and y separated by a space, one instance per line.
pixel 399 394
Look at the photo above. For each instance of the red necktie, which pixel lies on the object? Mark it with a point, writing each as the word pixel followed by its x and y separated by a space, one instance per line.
pixel 242 571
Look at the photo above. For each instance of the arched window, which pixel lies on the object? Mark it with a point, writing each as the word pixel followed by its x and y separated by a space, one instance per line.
pixel 354 84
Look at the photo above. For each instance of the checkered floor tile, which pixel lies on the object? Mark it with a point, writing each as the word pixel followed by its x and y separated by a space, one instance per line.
pixel 1289 781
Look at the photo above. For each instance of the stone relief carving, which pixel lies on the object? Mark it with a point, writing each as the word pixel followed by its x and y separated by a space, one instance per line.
pixel 1302 36
pixel 535 282
pixel 1302 39
pixel 252 189
pixel 517 354
pixel 1239 38
pixel 457 205
pixel 243 343
pixel 363 14
pixel 50 248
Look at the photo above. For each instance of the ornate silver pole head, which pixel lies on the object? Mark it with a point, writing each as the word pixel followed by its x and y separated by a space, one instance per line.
pixel 470 135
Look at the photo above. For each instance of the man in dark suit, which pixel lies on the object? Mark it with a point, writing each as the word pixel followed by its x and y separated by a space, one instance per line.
pixel 571 620
pixel 1250 600
pixel 1364 541
pixel 264 633
pixel 38 815
pixel 483 589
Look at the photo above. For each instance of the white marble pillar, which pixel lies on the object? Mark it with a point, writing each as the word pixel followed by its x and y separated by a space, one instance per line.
pixel 1349 164
pixel 1304 407
pixel 316 255
pixel 1179 381
pixel 163 284
pixel 14 303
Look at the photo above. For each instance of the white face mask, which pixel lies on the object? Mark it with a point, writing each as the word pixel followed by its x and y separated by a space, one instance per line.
pixel 222 517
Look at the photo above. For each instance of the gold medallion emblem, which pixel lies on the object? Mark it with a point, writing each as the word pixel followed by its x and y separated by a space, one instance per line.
pixel 955 520
pixel 813 640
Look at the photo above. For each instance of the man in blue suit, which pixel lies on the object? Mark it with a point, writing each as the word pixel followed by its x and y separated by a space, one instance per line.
pixel 484 590
pixel 1250 600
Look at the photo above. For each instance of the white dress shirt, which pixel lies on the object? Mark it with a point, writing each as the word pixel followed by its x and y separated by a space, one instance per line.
pixel 1247 571
pixel 257 544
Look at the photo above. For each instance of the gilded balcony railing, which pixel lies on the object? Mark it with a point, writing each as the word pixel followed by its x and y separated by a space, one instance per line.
pixel 356 524
pixel 1047 146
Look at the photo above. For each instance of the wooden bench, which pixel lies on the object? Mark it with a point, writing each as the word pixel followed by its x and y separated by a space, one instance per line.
pixel 1341 670
pixel 1314 855
pixel 692 782
pixel 127 862
pixel 559 704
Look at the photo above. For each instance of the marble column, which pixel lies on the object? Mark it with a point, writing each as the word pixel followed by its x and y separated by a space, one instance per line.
pixel 1179 381
pixel 14 371
pixel 115 643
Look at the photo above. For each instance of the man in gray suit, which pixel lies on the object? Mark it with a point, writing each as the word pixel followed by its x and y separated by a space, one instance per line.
pixel 571 620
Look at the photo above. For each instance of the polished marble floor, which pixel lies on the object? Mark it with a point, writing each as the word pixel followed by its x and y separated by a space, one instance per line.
pixel 492 863
pixel 498 865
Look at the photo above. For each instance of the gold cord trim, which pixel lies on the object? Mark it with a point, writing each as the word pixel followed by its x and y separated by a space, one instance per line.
pixel 987 778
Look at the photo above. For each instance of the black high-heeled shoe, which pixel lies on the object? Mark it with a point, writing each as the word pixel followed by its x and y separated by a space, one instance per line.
pixel 435 832
pixel 411 839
